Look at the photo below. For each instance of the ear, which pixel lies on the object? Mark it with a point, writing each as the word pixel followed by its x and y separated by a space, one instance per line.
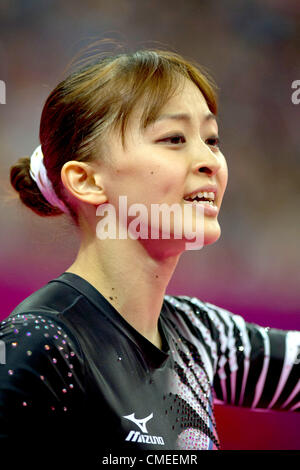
pixel 84 182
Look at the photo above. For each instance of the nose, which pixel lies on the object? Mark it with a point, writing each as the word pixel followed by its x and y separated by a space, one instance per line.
pixel 206 161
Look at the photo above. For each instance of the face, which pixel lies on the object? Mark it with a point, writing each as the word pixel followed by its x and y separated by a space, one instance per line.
pixel 169 162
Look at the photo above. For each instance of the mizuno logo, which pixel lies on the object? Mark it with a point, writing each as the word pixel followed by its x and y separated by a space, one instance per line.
pixel 136 436
pixel 141 423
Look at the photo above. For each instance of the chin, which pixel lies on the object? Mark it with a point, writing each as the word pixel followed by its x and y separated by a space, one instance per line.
pixel 210 237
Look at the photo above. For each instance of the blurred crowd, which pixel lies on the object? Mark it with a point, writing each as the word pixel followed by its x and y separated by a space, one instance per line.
pixel 251 49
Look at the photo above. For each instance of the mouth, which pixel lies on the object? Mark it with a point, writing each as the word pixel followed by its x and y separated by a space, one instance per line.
pixel 203 197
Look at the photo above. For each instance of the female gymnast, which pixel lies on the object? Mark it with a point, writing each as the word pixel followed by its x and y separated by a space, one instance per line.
pixel 100 357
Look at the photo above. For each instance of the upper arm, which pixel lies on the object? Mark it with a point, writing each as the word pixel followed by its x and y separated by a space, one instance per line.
pixel 40 380
pixel 257 367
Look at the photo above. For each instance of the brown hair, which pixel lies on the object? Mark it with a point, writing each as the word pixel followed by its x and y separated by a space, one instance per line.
pixel 98 97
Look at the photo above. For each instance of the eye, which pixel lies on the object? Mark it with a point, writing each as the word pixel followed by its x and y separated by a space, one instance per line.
pixel 213 142
pixel 174 139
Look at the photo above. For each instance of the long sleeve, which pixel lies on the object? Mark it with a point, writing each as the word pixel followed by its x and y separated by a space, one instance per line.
pixel 248 365
pixel 256 367
pixel 40 381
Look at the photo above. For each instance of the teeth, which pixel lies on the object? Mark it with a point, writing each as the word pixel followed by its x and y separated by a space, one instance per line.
pixel 194 203
pixel 207 195
pixel 205 202
pixel 210 195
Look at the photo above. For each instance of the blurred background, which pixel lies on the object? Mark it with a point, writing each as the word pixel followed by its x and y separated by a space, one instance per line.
pixel 251 48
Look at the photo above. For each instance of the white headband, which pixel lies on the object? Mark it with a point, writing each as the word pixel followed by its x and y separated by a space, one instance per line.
pixel 38 173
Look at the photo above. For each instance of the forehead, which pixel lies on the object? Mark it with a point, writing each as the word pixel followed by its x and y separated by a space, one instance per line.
pixel 188 97
pixel 186 103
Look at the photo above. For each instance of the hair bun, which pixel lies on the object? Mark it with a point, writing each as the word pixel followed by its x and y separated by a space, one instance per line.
pixel 28 190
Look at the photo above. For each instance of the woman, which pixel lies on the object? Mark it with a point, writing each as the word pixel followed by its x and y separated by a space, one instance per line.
pixel 100 357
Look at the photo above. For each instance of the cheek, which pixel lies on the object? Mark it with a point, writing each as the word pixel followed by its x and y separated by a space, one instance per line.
pixel 155 179
pixel 167 182
pixel 223 174
pixel 146 177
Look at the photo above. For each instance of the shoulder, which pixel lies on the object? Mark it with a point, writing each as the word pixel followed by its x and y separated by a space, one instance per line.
pixel 42 374
pixel 203 310
pixel 53 297
pixel 31 343
pixel 198 311
pixel 40 320
pixel 195 317
pixel 42 369
pixel 36 327
pixel 211 321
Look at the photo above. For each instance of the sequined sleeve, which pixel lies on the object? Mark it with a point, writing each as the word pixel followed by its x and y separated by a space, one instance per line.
pixel 40 378
pixel 252 366
pixel 257 367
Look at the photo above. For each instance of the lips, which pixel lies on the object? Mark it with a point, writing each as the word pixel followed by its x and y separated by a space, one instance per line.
pixel 206 189
pixel 209 207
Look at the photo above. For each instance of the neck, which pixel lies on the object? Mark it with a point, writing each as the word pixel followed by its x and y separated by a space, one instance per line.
pixel 129 277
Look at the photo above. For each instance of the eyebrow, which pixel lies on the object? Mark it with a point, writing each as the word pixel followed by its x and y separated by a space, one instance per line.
pixel 184 117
